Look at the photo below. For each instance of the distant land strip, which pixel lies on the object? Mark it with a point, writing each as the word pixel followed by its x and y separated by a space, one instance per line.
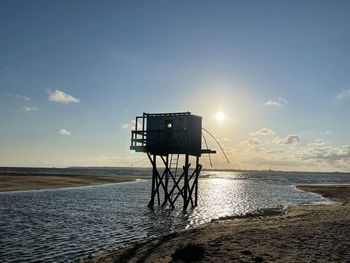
pixel 17 182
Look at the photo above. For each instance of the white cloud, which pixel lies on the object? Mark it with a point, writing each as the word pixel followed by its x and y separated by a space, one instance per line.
pixel 251 142
pixel 289 153
pixel 19 96
pixel 263 132
pixel 130 125
pixel 340 153
pixel 290 139
pixel 276 103
pixel 345 94
pixel 61 97
pixel 27 108
pixel 325 152
pixel 272 103
pixel 64 132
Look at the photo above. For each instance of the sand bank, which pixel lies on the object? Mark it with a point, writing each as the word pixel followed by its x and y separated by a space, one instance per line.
pixel 303 234
pixel 16 182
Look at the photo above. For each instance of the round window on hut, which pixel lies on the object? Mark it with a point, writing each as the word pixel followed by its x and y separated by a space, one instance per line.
pixel 168 124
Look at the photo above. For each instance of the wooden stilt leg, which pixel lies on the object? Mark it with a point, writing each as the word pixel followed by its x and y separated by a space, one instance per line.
pixel 196 182
pixel 157 188
pixel 186 192
pixel 166 194
pixel 154 175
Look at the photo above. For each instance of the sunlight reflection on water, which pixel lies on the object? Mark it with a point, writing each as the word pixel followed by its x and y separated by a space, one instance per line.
pixel 63 224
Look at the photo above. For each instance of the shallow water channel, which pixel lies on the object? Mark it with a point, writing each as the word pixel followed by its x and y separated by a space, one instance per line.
pixel 59 225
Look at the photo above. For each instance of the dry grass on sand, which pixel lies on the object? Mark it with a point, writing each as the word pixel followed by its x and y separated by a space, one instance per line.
pixel 303 234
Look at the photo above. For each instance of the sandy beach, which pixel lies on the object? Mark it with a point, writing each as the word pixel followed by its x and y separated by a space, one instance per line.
pixel 16 182
pixel 310 233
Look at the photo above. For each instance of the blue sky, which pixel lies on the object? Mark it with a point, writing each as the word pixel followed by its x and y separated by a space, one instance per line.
pixel 278 70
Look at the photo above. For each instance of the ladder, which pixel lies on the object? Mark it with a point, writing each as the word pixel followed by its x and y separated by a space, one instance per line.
pixel 173 166
pixel 174 162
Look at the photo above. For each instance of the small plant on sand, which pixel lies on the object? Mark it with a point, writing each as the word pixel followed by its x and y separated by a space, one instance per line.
pixel 188 253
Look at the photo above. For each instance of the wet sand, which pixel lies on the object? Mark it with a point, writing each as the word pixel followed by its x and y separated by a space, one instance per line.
pixel 16 182
pixel 310 233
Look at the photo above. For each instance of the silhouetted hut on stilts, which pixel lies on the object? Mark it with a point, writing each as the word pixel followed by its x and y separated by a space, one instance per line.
pixel 165 137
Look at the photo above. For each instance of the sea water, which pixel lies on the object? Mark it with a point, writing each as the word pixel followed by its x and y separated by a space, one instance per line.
pixel 59 225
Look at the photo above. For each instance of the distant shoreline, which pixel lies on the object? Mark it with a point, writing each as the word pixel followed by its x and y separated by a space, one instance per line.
pixel 7 169
pixel 33 181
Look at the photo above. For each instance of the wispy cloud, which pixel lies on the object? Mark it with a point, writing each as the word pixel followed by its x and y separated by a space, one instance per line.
pixel 17 96
pixel 64 132
pixel 278 102
pixel 340 153
pixel 27 108
pixel 290 139
pixel 251 142
pixel 129 125
pixel 61 97
pixel 345 94
pixel 263 132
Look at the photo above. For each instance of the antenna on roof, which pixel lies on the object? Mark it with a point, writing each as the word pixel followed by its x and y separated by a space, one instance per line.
pixel 206 144
pixel 217 143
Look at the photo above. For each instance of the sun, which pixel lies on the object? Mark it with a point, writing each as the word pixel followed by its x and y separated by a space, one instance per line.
pixel 220 116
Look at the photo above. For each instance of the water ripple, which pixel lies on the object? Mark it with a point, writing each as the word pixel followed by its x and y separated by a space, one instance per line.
pixel 65 224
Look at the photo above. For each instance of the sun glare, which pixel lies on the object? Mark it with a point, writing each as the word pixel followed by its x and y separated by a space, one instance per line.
pixel 220 116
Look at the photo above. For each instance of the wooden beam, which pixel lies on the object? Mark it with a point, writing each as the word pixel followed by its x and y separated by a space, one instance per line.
pixel 204 151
